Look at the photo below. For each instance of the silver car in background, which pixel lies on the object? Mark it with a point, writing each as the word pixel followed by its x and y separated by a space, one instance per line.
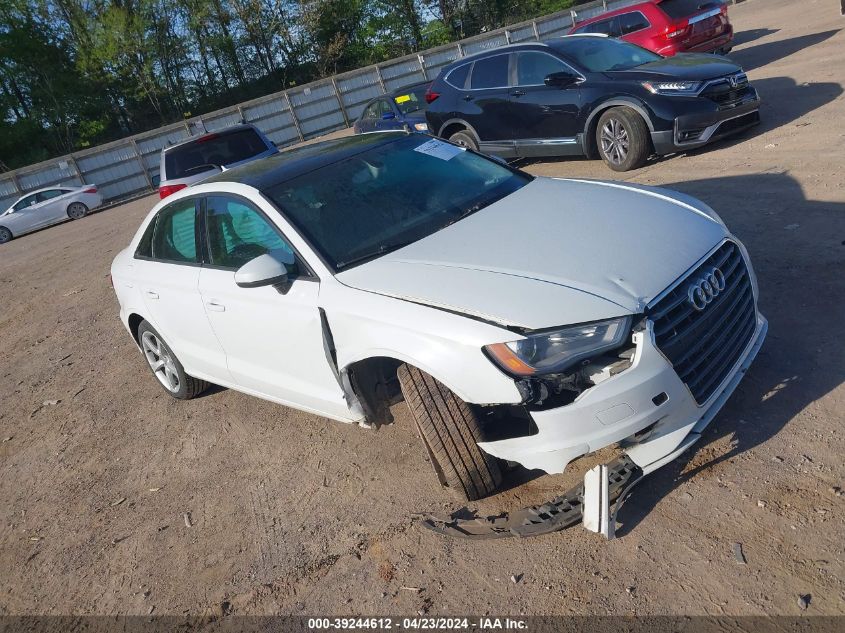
pixel 46 207
pixel 199 157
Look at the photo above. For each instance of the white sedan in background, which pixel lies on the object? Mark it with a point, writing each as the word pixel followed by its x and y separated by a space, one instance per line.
pixel 46 207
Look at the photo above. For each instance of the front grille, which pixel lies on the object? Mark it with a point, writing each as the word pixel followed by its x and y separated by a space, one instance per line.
pixel 726 95
pixel 703 346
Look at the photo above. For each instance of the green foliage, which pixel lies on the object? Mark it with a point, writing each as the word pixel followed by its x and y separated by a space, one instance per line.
pixel 76 73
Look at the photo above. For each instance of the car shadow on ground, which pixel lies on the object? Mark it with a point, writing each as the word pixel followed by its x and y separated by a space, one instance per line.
pixel 763 54
pixel 743 37
pixel 795 366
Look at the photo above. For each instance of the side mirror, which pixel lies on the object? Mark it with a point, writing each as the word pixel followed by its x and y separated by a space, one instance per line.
pixel 561 79
pixel 269 269
pixel 388 115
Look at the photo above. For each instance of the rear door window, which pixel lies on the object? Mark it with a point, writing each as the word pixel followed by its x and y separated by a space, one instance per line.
pixel 632 22
pixel 609 27
pixel 212 150
pixel 175 234
pixel 43 196
pixel 491 72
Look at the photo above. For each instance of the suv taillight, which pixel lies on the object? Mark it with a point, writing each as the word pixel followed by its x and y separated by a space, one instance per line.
pixel 166 190
pixel 90 190
pixel 431 96
pixel 675 31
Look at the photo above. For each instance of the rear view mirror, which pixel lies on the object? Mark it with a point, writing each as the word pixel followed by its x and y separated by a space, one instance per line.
pixel 388 115
pixel 266 270
pixel 561 79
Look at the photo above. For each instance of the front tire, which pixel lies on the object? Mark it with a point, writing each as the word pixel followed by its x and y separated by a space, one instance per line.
pixel 450 430
pixel 464 139
pixel 166 367
pixel 623 140
pixel 5 235
pixel 76 211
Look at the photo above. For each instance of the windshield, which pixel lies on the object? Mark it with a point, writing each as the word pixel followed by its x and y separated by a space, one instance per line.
pixel 212 150
pixel 412 100
pixel 390 196
pixel 599 54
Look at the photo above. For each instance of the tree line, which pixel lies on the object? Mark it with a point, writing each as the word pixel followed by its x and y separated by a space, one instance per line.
pixel 77 73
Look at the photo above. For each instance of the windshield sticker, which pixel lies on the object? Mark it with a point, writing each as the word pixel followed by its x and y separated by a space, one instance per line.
pixel 403 98
pixel 439 149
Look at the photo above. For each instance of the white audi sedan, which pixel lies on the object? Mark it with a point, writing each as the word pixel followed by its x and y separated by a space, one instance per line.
pixel 46 207
pixel 523 319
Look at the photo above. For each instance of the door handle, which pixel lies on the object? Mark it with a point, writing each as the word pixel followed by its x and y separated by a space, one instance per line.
pixel 467 97
pixel 151 294
pixel 214 306
pixel 517 93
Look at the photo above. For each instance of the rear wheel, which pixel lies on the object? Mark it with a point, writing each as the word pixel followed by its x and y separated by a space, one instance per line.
pixel 464 139
pixel 166 367
pixel 77 210
pixel 623 139
pixel 5 235
pixel 449 428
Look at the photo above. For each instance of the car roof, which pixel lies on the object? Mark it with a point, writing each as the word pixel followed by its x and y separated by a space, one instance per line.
pixel 521 46
pixel 288 164
pixel 225 130
pixel 50 188
pixel 614 12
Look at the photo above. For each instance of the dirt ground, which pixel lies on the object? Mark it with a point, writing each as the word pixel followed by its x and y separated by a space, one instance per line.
pixel 292 513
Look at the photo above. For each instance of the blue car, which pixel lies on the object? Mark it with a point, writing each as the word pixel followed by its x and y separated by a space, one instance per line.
pixel 402 109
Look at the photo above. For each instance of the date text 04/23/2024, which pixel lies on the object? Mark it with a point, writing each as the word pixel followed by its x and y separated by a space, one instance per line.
pixel 419 623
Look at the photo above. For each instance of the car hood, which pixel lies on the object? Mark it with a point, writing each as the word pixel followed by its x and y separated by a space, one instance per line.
pixel 686 66
pixel 553 253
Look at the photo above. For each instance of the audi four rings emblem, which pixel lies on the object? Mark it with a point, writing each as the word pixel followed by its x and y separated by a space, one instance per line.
pixel 702 291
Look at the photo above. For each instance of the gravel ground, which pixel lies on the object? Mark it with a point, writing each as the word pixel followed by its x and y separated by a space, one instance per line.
pixel 292 513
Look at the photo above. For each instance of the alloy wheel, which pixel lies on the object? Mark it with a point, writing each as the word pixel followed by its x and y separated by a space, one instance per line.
pixel 5 235
pixel 77 210
pixel 161 361
pixel 614 141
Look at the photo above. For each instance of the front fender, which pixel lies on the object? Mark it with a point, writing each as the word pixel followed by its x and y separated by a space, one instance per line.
pixel 445 345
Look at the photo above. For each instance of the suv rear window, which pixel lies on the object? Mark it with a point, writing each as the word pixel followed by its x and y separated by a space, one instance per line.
pixel 677 9
pixel 491 72
pixel 212 150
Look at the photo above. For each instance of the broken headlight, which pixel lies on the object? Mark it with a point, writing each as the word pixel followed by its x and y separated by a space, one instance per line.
pixel 552 352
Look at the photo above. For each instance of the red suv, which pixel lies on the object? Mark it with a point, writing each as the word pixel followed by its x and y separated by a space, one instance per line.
pixel 667 26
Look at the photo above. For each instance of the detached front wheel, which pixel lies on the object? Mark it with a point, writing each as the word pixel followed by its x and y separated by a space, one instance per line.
pixel 623 139
pixel 450 430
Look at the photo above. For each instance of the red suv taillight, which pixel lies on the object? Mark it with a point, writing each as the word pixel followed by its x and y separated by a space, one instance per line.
pixel 166 190
pixel 431 96
pixel 90 190
pixel 674 32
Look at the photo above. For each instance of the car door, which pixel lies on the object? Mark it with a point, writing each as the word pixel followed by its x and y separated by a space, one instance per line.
pixel 367 121
pixel 27 216
pixel 273 340
pixel 386 116
pixel 168 270
pixel 52 203
pixel 545 117
pixel 485 105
